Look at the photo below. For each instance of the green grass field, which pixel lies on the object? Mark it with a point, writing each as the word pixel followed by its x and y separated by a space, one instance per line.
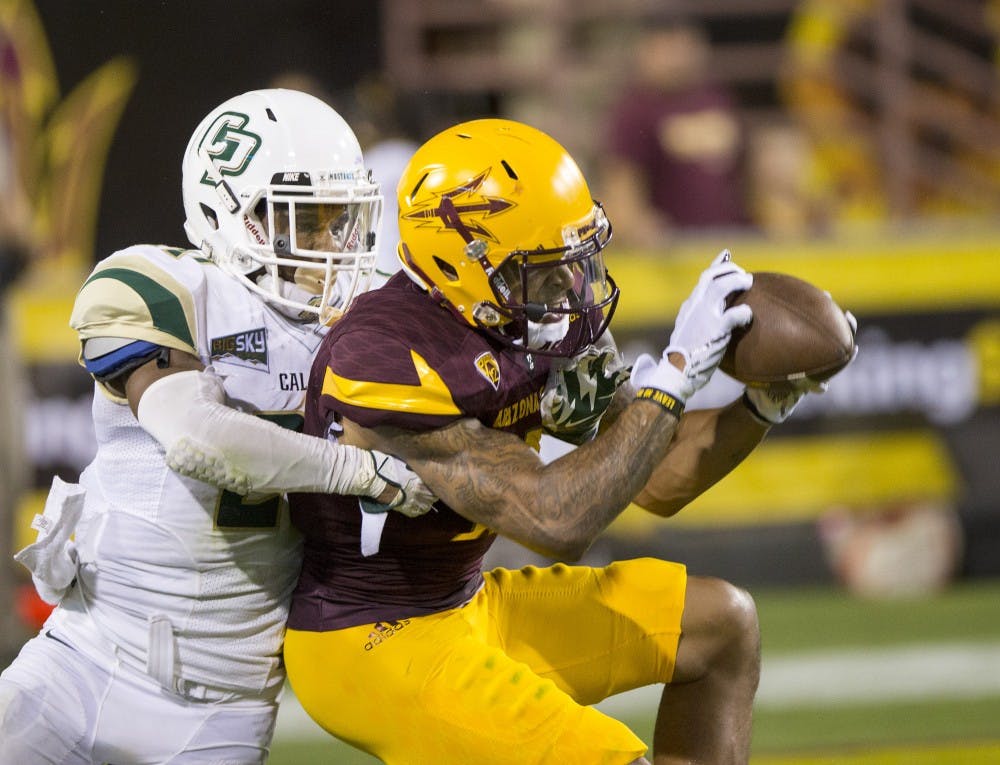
pixel 954 728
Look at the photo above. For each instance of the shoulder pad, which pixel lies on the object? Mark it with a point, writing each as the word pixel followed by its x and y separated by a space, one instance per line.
pixel 143 293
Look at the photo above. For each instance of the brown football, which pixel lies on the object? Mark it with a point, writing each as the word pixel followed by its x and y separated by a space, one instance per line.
pixel 797 331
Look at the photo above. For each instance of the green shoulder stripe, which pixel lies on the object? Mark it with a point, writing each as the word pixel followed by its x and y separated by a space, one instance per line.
pixel 165 309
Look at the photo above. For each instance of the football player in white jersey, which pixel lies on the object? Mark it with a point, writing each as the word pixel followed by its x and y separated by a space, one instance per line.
pixel 165 645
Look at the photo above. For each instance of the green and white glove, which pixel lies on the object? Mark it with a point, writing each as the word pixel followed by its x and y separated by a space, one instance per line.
pixel 577 394
pixel 773 404
pixel 413 498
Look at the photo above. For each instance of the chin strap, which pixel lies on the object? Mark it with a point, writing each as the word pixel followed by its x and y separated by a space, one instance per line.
pixel 294 292
pixel 541 335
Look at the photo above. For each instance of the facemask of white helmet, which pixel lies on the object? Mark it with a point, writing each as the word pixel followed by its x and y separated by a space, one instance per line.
pixel 322 258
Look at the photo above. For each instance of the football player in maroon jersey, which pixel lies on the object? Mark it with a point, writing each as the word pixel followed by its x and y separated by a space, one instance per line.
pixel 398 642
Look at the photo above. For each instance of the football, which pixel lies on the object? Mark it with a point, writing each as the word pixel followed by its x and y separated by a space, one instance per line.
pixel 797 331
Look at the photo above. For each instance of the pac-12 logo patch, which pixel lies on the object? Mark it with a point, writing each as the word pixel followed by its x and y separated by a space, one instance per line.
pixel 489 368
pixel 244 349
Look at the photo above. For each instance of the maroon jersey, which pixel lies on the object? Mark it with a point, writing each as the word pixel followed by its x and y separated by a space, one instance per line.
pixel 399 359
pixel 692 187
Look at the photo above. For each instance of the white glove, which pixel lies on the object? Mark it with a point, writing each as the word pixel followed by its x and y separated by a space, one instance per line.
pixel 773 404
pixel 577 394
pixel 52 558
pixel 701 333
pixel 413 498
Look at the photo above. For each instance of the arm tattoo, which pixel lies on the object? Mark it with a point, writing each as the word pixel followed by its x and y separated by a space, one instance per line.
pixel 494 478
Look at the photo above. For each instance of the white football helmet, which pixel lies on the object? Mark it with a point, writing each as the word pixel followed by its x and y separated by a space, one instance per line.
pixel 276 192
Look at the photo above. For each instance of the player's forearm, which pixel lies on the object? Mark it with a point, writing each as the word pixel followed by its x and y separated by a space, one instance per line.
pixel 585 490
pixel 709 444
pixel 203 438
pixel 558 509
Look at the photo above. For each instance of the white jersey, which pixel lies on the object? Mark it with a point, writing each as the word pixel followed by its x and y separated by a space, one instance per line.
pixel 185 581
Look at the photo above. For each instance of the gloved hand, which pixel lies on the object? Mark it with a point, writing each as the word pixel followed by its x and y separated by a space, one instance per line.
pixel 577 395
pixel 701 334
pixel 773 404
pixel 413 498
pixel 52 558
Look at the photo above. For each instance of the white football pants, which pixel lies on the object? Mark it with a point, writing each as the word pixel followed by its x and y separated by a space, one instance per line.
pixel 61 707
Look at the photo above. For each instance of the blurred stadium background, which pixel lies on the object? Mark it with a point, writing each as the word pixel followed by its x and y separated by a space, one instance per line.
pixel 868 526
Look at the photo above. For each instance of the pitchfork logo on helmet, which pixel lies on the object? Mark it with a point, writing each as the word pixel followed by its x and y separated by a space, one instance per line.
pixel 526 266
pixel 463 210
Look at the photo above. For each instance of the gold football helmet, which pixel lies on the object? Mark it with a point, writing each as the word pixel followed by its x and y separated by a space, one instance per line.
pixel 497 222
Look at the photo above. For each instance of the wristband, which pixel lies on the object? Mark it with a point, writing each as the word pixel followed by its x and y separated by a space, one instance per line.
pixel 665 400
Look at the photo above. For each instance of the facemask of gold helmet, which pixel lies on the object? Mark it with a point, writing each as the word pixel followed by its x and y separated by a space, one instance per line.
pixel 497 223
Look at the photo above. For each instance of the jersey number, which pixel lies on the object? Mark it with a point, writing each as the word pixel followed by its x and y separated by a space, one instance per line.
pixel 236 511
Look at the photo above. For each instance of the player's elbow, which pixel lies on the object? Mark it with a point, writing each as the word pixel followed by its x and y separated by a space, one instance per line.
pixel 571 551
pixel 566 544
pixel 662 506
pixel 562 551
pixel 549 525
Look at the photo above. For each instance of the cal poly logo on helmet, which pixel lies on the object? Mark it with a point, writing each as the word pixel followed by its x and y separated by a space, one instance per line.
pixel 229 147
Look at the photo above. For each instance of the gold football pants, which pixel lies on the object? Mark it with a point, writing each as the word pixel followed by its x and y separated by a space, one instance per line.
pixel 505 679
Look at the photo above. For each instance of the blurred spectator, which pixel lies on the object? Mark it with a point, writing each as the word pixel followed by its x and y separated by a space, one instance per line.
pixel 388 131
pixel 296 79
pixel 784 198
pixel 389 134
pixel 909 549
pixel 845 157
pixel 387 159
pixel 675 144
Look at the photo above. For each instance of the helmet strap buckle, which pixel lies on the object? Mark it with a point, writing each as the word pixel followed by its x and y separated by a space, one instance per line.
pixel 476 249
pixel 227 196
pixel 487 315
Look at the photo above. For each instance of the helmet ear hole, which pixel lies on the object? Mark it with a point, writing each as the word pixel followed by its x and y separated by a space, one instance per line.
pixel 446 268
pixel 210 216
